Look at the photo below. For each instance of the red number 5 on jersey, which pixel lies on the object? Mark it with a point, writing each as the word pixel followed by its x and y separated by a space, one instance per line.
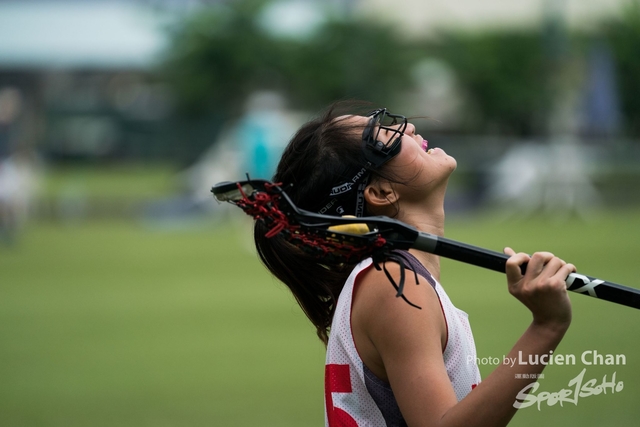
pixel 337 379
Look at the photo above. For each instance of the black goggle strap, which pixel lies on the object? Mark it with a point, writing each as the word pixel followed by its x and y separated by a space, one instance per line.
pixel 398 259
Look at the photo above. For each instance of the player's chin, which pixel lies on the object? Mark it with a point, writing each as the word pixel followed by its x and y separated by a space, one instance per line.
pixel 443 154
pixel 452 163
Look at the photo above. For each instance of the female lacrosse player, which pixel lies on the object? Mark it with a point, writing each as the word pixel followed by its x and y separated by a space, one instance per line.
pixel 400 361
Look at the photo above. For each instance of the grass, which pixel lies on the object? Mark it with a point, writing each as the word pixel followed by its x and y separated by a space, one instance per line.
pixel 116 324
pixel 120 180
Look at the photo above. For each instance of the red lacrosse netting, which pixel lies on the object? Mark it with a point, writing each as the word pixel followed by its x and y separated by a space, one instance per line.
pixel 325 244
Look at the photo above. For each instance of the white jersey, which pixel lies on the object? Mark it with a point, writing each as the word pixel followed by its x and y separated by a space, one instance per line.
pixel 354 396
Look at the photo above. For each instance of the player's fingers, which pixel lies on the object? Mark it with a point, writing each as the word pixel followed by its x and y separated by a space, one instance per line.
pixel 552 267
pixel 564 272
pixel 509 251
pixel 513 265
pixel 537 263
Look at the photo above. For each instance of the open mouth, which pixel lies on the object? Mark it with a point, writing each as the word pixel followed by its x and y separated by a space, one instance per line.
pixel 425 144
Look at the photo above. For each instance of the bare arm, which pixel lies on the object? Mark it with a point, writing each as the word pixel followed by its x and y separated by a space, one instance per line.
pixel 405 345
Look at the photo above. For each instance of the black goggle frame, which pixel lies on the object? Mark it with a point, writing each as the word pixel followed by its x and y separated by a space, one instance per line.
pixel 377 152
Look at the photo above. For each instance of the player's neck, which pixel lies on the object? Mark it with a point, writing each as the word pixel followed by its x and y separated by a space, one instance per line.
pixel 432 222
pixel 426 217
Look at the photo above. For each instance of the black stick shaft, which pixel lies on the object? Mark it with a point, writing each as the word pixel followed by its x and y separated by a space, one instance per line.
pixel 497 261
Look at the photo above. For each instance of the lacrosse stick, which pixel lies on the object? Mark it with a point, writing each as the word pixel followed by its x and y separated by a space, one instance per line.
pixel 335 240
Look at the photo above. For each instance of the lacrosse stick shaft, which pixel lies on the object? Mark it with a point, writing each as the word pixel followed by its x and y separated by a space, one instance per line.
pixel 497 261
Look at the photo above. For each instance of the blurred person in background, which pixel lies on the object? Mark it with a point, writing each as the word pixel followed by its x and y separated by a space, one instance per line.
pixel 393 361
pixel 17 176
pixel 261 132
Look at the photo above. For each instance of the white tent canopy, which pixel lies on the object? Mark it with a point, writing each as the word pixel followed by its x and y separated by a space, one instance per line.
pixel 79 35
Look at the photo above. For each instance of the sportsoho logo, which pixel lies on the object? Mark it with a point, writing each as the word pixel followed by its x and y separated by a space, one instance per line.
pixel 579 387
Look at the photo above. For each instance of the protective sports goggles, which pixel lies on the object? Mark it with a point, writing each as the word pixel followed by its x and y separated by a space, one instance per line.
pixel 376 151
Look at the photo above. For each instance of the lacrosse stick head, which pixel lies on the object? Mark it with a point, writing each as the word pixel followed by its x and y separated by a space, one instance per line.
pixel 331 240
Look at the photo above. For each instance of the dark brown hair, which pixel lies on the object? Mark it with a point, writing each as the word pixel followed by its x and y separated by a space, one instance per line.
pixel 319 156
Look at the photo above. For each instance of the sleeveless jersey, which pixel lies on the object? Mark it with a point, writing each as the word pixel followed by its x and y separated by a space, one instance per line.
pixel 354 396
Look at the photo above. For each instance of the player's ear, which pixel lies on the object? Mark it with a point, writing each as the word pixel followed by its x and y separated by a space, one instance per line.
pixel 380 195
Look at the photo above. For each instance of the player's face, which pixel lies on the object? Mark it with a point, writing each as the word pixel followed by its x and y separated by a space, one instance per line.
pixel 416 164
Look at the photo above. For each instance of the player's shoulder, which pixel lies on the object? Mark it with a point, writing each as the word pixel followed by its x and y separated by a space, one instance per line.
pixel 378 287
pixel 384 318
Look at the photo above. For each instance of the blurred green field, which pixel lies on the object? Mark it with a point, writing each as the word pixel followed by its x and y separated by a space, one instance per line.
pixel 118 324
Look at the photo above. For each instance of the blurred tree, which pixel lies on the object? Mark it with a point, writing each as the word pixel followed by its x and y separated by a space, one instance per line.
pixel 223 54
pixel 623 36
pixel 218 56
pixel 352 59
pixel 503 76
